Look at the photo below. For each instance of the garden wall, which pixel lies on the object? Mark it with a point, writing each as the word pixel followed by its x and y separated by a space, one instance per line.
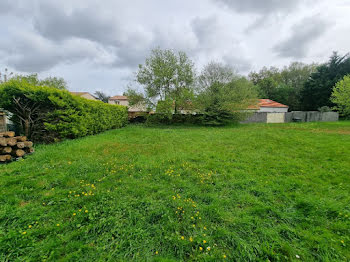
pixel 297 116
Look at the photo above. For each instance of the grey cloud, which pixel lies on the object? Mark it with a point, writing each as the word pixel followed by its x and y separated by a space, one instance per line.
pixel 301 37
pixel 260 6
pixel 28 52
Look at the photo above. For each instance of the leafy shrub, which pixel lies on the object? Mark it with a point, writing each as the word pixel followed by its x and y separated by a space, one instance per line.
pixel 48 114
pixel 159 118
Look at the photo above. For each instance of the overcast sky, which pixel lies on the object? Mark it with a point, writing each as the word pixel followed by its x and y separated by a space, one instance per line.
pixel 97 45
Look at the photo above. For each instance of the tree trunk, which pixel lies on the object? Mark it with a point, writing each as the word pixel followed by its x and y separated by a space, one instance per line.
pixel 3 141
pixel 26 127
pixel 20 145
pixel 5 158
pixel 19 153
pixel 6 150
pixel 11 141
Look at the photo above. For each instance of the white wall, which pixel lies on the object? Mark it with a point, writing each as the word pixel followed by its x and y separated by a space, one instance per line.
pixel 274 109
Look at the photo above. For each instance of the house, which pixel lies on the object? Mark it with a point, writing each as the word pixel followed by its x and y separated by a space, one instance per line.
pixel 133 111
pixel 86 95
pixel 269 106
pixel 267 111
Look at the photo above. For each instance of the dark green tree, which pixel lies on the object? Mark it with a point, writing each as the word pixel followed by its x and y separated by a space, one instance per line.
pixel 318 89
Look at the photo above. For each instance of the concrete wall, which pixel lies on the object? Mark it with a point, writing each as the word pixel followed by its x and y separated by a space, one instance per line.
pixel 257 117
pixel 275 118
pixel 311 116
pixel 302 116
pixel 273 109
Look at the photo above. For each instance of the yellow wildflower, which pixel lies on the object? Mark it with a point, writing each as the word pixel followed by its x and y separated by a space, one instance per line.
pixel 224 256
pixel 204 241
pixel 182 237
pixel 156 252
pixel 74 214
pixel 208 248
pixel 200 248
pixel 30 226
pixel 86 211
pixel 58 225
pixel 23 233
pixel 191 239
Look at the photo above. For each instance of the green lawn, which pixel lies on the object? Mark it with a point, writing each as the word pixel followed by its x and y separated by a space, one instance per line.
pixel 245 193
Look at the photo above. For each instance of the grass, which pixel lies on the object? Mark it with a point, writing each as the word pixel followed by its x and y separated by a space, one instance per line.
pixel 246 193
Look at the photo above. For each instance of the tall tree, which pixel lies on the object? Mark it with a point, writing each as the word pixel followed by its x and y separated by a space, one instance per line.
pixel 102 96
pixel 167 76
pixel 341 96
pixel 318 89
pixel 222 103
pixel 215 72
pixel 283 85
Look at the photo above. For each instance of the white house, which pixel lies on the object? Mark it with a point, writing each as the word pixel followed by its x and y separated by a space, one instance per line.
pixel 269 106
pixel 124 101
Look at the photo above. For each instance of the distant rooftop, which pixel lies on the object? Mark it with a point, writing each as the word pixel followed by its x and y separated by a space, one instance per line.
pixel 267 103
pixel 118 98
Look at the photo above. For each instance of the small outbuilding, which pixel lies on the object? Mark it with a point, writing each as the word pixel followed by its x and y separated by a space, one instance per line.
pixel 269 106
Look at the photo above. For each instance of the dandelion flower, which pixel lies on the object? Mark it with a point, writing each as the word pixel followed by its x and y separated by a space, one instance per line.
pixel 204 241
pixel 182 237
pixel 79 210
pixel 23 233
pixel 58 225
pixel 200 248
pixel 74 214
pixel 30 226
pixel 224 256
pixel 86 211
pixel 191 239
pixel 156 252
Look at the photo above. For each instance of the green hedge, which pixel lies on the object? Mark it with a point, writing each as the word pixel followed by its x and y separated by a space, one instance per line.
pixel 57 114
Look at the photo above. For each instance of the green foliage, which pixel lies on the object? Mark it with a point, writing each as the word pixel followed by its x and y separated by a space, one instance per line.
pixel 33 79
pixel 47 114
pixel 341 96
pixel 166 76
pixel 318 89
pixel 283 85
pixel 102 96
pixel 215 73
pixel 226 103
pixel 252 192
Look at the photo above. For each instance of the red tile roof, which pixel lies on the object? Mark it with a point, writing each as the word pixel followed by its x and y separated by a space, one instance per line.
pixel 119 98
pixel 267 103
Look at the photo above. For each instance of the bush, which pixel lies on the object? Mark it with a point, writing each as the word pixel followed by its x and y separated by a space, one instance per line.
pixel 48 114
pixel 341 96
pixel 189 119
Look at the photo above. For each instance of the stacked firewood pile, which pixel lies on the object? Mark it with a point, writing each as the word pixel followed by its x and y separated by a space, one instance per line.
pixel 13 147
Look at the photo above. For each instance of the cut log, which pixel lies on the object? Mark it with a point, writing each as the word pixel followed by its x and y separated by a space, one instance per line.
pixel 19 153
pixel 21 138
pixel 3 141
pixel 6 150
pixel 28 144
pixel 9 134
pixel 5 158
pixel 20 145
pixel 29 150
pixel 11 141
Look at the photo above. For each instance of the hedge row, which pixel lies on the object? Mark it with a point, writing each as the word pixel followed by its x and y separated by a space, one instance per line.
pixel 54 114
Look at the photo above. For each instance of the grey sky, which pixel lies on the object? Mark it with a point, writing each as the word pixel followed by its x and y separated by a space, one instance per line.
pixel 97 45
